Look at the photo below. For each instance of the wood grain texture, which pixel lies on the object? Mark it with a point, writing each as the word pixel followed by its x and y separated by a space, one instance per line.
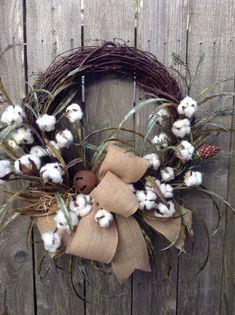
pixel 53 27
pixel 108 99
pixel 227 304
pixel 211 29
pixel 16 272
pixel 161 30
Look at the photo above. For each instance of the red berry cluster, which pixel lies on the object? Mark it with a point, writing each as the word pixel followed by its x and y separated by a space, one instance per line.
pixel 207 151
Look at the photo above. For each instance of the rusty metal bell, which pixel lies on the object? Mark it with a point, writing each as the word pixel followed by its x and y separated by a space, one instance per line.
pixel 85 181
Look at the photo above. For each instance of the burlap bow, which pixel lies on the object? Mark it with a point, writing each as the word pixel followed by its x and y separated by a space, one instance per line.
pixel 122 244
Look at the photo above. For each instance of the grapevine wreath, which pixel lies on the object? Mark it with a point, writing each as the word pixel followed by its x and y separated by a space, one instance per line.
pixel 100 204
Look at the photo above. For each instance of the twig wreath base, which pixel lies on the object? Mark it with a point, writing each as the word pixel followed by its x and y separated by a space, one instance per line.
pixel 101 209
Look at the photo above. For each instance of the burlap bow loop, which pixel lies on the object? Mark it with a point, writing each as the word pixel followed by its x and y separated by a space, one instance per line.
pixel 124 164
pixel 122 243
pixel 115 195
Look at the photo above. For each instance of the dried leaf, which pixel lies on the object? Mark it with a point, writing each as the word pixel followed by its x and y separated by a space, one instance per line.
pixel 62 206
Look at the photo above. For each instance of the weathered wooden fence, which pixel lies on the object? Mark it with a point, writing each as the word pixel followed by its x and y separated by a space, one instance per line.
pixel 49 27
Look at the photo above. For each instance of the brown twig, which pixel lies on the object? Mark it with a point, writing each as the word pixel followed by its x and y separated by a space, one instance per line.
pixel 149 73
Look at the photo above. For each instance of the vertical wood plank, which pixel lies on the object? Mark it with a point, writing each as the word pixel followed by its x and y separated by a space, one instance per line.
pixel 211 29
pixel 53 27
pixel 108 99
pixel 16 272
pixel 161 29
pixel 227 304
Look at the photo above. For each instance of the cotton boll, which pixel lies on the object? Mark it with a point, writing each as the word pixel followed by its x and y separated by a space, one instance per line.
pixel 5 169
pixel 27 164
pixel 146 199
pixel 165 210
pixel 81 201
pixel 73 207
pixel 187 107
pixel 74 112
pixel 167 190
pixel 162 115
pixel 161 141
pixel 46 122
pixel 167 174
pixel 81 205
pixel 185 150
pixel 14 114
pixel 62 222
pixel 193 178
pixel 181 128
pixel 47 238
pixel 52 172
pixel 38 151
pixel 74 218
pixel 104 218
pixel 86 210
pixel 64 138
pixel 153 159
pixel 52 241
pixel 23 135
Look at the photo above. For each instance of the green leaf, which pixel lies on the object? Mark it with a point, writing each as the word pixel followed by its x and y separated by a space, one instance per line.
pixel 219 127
pixel 30 108
pixel 208 98
pixel 4 92
pixel 214 84
pixel 89 146
pixel 8 47
pixel 200 217
pixel 212 193
pixel 6 132
pixel 98 154
pixel 8 221
pixel 175 240
pixel 181 76
pixel 74 162
pixel 57 90
pixel 64 103
pixel 29 232
pixel 198 68
pixel 7 153
pixel 140 106
pixel 154 118
pixel 55 152
pixel 61 204
pixel 9 201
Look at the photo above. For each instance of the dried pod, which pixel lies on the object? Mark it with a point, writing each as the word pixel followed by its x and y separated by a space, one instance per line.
pixel 207 151
pixel 27 164
pixel 28 169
